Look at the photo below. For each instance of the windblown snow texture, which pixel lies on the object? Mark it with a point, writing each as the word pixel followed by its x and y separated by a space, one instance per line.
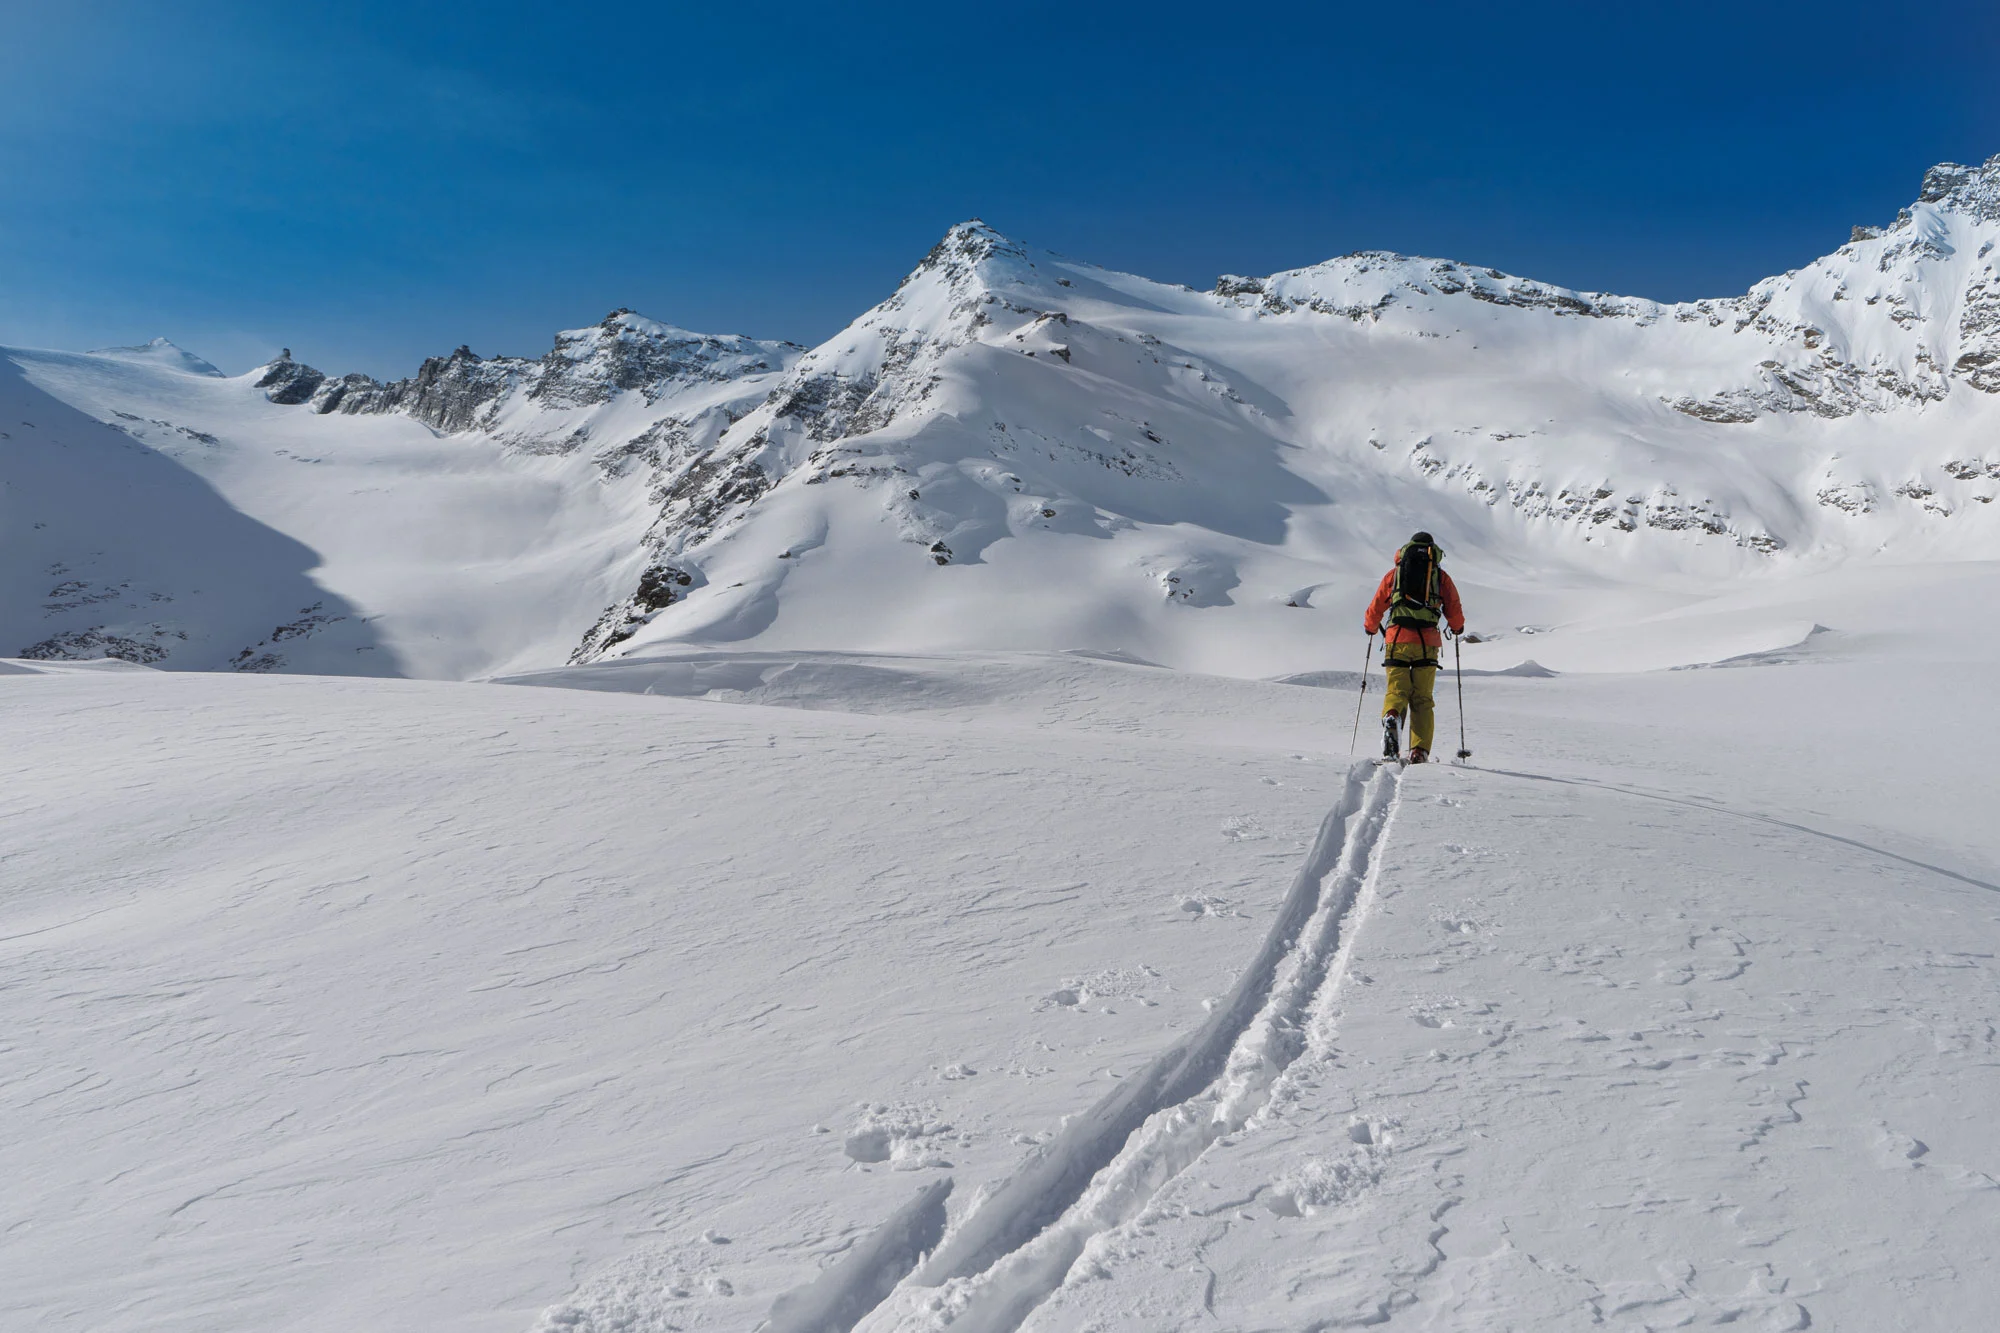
pixel 403 1005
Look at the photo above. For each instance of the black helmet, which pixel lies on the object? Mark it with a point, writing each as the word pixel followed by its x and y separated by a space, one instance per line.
pixel 1422 539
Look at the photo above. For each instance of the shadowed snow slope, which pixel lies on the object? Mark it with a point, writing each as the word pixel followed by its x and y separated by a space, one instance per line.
pixel 496 546
pixel 1020 451
pixel 109 546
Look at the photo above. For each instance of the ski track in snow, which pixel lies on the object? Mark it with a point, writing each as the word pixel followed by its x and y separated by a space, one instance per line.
pixel 844 1294
pixel 1670 1060
pixel 384 1005
pixel 1105 1165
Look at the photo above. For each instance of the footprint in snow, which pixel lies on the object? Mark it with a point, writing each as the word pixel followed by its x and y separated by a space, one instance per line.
pixel 1721 953
pixel 1114 983
pixel 1898 1151
pixel 1431 1010
pixel 1242 828
pixel 909 1137
pixel 1461 921
pixel 869 1144
pixel 1319 1183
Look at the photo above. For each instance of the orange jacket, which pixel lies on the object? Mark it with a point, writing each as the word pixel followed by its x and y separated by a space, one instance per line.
pixel 1454 614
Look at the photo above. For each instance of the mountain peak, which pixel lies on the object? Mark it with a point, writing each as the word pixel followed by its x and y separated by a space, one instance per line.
pixel 966 246
pixel 973 231
pixel 287 382
pixel 625 317
pixel 627 320
pixel 164 354
pixel 1974 191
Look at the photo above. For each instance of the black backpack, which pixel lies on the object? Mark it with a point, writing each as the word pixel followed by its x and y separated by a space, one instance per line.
pixel 1416 601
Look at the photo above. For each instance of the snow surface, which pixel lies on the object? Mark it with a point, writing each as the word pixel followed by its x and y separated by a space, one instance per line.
pixel 688 832
pixel 673 1002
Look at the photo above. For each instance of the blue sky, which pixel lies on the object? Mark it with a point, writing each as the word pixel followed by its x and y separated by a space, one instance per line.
pixel 369 183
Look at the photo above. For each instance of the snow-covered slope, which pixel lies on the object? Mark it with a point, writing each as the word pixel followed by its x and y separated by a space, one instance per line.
pixel 477 516
pixel 108 545
pixel 162 353
pixel 1018 450
pixel 391 1005
pixel 737 976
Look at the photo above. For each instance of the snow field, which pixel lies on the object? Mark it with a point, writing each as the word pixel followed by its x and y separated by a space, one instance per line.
pixel 919 954
pixel 1598 1089
pixel 390 1005
pixel 1884 835
pixel 401 1005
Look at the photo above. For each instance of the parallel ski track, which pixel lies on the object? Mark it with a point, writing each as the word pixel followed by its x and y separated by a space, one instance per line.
pixel 1105 1165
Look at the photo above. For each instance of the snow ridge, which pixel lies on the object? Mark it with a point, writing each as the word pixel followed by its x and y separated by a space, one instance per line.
pixel 162 354
pixel 624 352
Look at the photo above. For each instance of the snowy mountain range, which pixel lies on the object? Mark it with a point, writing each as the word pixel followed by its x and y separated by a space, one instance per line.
pixel 1019 450
pixel 817 951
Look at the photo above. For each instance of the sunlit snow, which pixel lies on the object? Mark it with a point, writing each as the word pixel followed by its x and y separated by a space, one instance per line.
pixel 696 833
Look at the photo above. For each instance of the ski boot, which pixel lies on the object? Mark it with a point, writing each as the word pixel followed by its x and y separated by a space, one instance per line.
pixel 1392 741
pixel 1419 755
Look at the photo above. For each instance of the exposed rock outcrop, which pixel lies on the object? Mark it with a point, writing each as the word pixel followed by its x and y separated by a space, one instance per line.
pixel 586 367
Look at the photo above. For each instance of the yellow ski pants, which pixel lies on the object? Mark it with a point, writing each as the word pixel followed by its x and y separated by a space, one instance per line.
pixel 1410 689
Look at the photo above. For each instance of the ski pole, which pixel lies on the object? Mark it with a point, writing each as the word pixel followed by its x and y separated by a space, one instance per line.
pixel 1367 656
pixel 1458 669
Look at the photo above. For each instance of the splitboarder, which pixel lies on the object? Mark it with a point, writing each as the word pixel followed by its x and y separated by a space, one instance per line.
pixel 1418 597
